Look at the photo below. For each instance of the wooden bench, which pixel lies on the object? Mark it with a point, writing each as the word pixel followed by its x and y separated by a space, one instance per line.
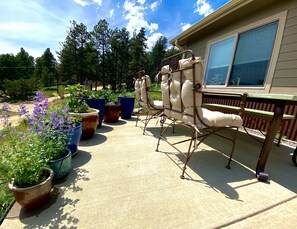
pixel 254 113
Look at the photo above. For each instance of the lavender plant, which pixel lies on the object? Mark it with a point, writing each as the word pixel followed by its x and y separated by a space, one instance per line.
pixel 24 154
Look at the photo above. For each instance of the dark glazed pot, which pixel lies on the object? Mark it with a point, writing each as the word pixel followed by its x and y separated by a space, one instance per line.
pixel 127 106
pixel 75 138
pixel 35 196
pixel 112 113
pixel 62 166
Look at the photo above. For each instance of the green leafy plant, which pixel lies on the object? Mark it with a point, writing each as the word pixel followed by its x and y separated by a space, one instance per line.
pixel 76 103
pixel 111 98
pixel 125 93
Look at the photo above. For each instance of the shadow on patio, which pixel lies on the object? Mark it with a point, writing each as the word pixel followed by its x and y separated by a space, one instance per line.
pixel 118 180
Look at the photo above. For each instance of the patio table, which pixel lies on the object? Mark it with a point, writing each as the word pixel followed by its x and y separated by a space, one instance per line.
pixel 279 101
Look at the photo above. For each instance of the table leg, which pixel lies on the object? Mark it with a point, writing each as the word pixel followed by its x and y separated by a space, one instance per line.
pixel 268 143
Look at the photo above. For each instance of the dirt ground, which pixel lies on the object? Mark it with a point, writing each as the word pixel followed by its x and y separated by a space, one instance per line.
pixel 15 107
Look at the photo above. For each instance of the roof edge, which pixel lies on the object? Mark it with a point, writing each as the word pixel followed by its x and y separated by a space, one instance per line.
pixel 211 18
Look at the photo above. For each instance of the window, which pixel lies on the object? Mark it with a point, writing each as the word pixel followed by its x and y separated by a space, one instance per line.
pixel 219 61
pixel 243 59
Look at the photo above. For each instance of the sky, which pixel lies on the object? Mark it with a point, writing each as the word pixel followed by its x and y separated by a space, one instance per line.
pixel 36 25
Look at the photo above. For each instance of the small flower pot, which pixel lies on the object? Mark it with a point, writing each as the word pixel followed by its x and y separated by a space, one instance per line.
pixel 35 196
pixel 62 166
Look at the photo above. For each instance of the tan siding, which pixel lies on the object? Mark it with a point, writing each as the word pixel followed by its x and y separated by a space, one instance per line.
pixel 288 56
pixel 286 69
pixel 199 48
pixel 290 39
pixel 290 64
pixel 290 30
pixel 285 73
pixel 289 47
pixel 293 11
pixel 291 21
pixel 289 82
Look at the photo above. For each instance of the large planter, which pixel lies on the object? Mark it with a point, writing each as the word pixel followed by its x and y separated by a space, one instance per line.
pixel 75 138
pixel 35 196
pixel 62 166
pixel 89 121
pixel 112 113
pixel 127 106
pixel 99 104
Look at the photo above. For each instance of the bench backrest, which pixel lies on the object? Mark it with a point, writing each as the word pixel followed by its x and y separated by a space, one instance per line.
pixel 180 100
pixel 142 90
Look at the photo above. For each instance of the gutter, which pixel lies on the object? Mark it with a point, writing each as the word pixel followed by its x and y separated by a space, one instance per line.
pixel 210 19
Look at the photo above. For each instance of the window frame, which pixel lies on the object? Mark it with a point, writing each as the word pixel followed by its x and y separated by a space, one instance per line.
pixel 281 18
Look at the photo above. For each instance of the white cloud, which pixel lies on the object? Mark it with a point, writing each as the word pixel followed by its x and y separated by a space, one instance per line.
pixel 99 2
pixel 153 6
pixel 81 2
pixel 141 1
pixel 203 8
pixel 185 26
pixel 134 14
pixel 111 13
pixel 151 40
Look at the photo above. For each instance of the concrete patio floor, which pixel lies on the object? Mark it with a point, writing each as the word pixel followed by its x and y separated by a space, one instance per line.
pixel 119 181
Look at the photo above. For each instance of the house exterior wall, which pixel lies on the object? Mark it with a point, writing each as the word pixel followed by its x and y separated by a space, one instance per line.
pixel 285 75
pixel 282 75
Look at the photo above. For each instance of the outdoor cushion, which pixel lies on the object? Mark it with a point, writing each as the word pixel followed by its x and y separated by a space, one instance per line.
pixel 181 97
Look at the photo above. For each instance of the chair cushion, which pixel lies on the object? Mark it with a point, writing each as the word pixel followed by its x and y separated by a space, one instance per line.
pixel 158 104
pixel 214 118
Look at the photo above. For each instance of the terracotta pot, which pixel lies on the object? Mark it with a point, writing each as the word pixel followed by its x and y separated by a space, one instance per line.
pixel 89 121
pixel 35 196
pixel 112 113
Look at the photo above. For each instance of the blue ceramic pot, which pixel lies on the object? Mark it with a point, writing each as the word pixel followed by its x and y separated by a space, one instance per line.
pixel 127 104
pixel 61 166
pixel 98 104
pixel 75 138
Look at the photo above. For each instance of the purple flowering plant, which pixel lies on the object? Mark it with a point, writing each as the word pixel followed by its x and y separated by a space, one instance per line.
pixel 25 151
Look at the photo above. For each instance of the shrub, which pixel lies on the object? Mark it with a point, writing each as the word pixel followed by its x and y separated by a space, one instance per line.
pixel 20 88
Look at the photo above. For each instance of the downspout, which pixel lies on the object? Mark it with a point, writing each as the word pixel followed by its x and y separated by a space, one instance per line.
pixel 177 45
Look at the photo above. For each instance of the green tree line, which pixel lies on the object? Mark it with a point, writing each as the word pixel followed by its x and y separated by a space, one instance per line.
pixel 105 56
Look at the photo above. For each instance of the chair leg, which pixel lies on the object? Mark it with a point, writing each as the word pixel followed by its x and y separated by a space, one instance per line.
pixel 189 154
pixel 138 115
pixel 162 131
pixel 146 121
pixel 233 147
pixel 173 127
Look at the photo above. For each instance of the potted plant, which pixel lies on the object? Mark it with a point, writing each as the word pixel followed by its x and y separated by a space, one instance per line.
pixel 95 100
pixel 79 108
pixel 127 101
pixel 55 128
pixel 24 158
pixel 112 107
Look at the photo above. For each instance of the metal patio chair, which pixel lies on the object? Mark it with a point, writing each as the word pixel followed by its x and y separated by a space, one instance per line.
pixel 182 94
pixel 151 108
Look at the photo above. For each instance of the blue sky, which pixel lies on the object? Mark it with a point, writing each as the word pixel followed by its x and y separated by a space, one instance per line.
pixel 39 24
